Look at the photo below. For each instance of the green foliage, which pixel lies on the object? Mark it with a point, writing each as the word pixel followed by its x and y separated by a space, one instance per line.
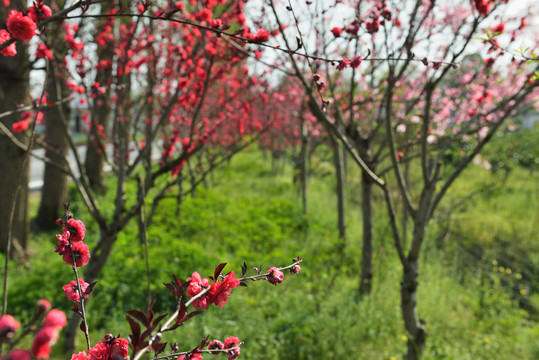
pixel 471 311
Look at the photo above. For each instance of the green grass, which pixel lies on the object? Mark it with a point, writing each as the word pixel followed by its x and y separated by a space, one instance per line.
pixel 248 214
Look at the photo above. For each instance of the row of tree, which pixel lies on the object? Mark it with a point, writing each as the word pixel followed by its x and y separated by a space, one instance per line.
pixel 397 86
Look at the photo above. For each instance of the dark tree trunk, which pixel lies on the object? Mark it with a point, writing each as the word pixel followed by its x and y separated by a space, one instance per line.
pixel 54 191
pixel 338 158
pixel 303 165
pixel 412 323
pixel 14 90
pixel 365 285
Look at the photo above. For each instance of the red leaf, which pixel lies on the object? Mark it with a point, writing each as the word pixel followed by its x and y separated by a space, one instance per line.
pixel 139 315
pixel 218 270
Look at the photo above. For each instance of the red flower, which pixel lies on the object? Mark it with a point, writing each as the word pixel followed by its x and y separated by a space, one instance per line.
pixel 196 286
pixel 294 270
pixel 41 347
pixel 82 255
pixel 11 50
pixel 42 52
pixel 231 342
pixel 220 291
pixel 336 31
pixel 43 305
pixel 19 355
pixel 80 356
pixel 216 344
pixel 20 26
pixel 99 352
pixel 76 229
pixel 216 23
pixel 489 62
pixel 71 289
pixel 275 276
pixel 55 319
pixel 343 64
pixel 40 13
pixel 20 126
pixel 354 64
pixel 499 28
pixel 193 356
pixel 482 6
pixel 8 326
pixel 63 242
pixel 372 26
pixel 119 349
pixel 259 37
pixel 234 353
pixel 204 15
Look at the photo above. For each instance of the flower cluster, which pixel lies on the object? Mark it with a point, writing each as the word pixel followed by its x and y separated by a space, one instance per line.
pixel 231 347
pixel 110 348
pixel 216 294
pixel 23 25
pixel 46 336
pixel 70 245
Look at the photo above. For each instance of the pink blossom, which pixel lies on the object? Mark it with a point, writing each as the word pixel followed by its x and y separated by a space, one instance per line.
pixel 19 355
pixel 482 132
pixel 195 287
pixel 295 269
pixel 233 353
pixel 8 326
pixel 372 26
pixel 40 13
pixel 193 356
pixel 119 349
pixel 41 347
pixel 11 50
pixel 42 52
pixel 80 356
pixel 43 305
pixel 231 342
pixel 499 28
pixel 71 289
pixel 55 319
pixel 220 291
pixel 401 128
pixel 336 31
pixel 343 64
pixel 99 352
pixel 216 344
pixel 259 37
pixel 76 229
pixel 62 244
pixel 20 126
pixel 81 254
pixel 275 276
pixel 20 26
pixel 354 64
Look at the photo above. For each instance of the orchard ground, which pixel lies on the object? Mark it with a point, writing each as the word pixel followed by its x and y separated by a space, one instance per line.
pixel 478 283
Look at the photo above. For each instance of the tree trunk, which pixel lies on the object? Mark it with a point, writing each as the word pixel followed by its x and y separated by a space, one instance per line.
pixel 338 157
pixel 14 90
pixel 54 191
pixel 365 285
pixel 303 165
pixel 413 324
pixel 100 255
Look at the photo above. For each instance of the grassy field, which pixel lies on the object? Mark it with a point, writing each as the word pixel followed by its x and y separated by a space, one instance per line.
pixel 478 284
